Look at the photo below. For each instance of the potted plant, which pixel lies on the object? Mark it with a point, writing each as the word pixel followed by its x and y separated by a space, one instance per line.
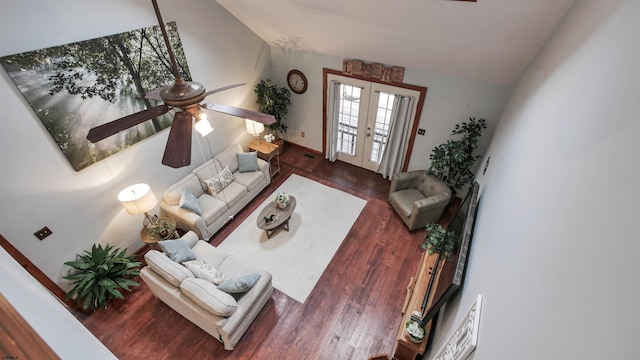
pixel 453 160
pixel 162 228
pixel 282 199
pixel 439 240
pixel 275 101
pixel 415 331
pixel 101 274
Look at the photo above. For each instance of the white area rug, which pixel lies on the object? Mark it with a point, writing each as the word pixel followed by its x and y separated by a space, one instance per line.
pixel 297 258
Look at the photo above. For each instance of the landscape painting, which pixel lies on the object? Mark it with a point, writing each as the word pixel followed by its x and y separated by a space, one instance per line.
pixel 75 87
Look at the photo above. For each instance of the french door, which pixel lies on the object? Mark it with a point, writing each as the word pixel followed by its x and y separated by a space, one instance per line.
pixel 361 114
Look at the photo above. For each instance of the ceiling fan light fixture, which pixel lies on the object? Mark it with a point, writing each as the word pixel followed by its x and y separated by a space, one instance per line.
pixel 185 96
pixel 203 126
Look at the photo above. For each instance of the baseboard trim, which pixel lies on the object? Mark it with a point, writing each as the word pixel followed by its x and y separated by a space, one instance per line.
pixel 304 148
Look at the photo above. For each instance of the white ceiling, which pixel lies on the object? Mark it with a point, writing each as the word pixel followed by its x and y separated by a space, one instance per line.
pixel 489 40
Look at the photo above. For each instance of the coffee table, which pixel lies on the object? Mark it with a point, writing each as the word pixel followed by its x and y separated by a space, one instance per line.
pixel 281 217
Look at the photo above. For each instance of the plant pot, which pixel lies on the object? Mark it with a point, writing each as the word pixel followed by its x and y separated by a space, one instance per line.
pixel 415 339
pixel 282 205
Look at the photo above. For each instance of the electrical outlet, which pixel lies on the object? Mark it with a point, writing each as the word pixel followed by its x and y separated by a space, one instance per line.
pixel 43 233
pixel 421 131
pixel 302 133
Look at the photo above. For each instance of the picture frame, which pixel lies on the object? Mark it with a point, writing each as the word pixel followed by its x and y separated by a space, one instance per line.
pixel 386 74
pixel 376 71
pixel 397 74
pixel 366 70
pixel 357 67
pixel 75 87
pixel 347 67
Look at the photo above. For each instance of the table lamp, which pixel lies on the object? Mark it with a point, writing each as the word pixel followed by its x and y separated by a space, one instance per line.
pixel 138 199
pixel 253 127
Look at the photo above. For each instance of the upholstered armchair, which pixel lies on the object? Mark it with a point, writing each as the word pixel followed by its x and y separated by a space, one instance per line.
pixel 418 197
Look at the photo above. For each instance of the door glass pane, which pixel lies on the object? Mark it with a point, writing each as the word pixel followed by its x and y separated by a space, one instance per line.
pixel 381 129
pixel 348 118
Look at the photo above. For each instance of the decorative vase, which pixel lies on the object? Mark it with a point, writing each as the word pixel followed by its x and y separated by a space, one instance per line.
pixel 282 205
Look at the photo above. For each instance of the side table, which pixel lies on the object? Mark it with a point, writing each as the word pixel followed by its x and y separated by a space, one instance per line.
pixel 267 152
pixel 152 239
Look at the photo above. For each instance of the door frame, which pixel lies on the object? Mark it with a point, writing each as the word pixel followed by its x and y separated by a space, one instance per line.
pixel 421 89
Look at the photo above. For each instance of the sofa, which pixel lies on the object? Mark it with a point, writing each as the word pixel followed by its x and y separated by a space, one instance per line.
pixel 216 208
pixel 418 197
pixel 224 316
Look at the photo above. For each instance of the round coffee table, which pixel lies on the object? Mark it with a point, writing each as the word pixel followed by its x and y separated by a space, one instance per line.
pixel 279 217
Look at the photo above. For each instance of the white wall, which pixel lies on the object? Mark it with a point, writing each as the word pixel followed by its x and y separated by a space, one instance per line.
pixel 555 253
pixel 57 327
pixel 449 101
pixel 39 187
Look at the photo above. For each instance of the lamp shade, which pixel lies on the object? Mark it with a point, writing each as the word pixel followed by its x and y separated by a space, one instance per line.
pixel 253 127
pixel 138 199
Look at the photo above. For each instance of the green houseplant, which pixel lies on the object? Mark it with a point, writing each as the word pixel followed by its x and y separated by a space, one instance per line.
pixel 162 228
pixel 101 274
pixel 439 240
pixel 453 160
pixel 275 101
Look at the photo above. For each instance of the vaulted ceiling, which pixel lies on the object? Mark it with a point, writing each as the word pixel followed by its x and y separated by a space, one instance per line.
pixel 488 40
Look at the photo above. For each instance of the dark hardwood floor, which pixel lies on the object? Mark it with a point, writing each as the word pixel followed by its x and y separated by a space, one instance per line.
pixel 353 311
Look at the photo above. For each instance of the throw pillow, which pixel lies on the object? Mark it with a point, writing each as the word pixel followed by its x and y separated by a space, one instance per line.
pixel 171 271
pixel 208 297
pixel 177 250
pixel 248 161
pixel 219 182
pixel 239 284
pixel 188 201
pixel 205 271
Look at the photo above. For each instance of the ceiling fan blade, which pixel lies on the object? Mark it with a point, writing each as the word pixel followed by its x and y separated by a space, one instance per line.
pixel 177 153
pixel 154 94
pixel 243 113
pixel 223 88
pixel 111 128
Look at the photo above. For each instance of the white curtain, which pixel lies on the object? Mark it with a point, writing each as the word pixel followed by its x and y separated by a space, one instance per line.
pixel 332 121
pixel 399 128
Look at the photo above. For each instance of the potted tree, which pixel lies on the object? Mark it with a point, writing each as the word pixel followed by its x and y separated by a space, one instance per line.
pixel 275 101
pixel 439 240
pixel 453 160
pixel 101 274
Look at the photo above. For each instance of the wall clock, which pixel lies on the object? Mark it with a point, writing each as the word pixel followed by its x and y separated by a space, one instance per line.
pixel 297 81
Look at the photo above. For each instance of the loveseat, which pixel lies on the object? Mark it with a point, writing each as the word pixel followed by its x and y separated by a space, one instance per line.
pixel 241 176
pixel 224 316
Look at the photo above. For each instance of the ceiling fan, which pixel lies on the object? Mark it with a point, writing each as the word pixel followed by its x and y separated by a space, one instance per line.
pixel 183 95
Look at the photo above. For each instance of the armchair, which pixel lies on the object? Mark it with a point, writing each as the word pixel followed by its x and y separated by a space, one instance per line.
pixel 418 197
